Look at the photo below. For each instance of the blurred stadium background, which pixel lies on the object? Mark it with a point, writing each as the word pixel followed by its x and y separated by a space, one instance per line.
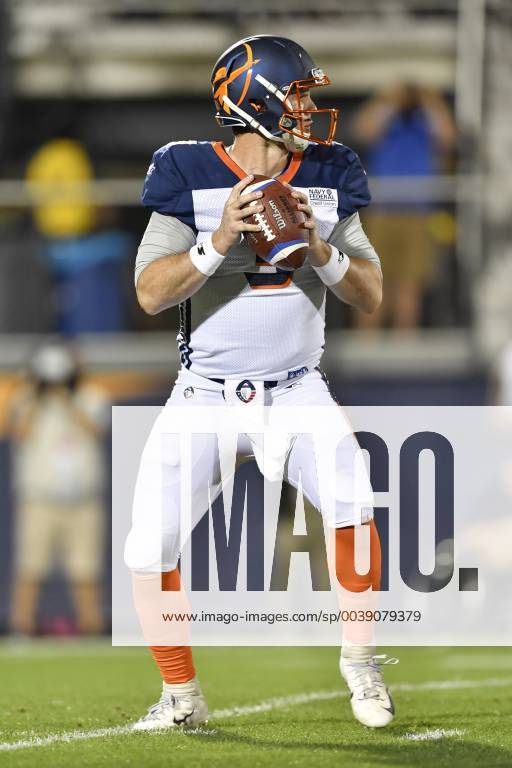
pixel 89 89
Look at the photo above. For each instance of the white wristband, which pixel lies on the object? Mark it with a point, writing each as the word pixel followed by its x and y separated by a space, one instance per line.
pixel 335 269
pixel 205 258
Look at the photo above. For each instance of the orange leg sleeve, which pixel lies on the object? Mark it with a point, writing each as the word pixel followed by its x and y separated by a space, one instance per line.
pixel 345 557
pixel 174 662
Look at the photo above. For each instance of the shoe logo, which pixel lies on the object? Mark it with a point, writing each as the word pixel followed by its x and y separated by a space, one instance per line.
pixel 246 391
pixel 200 250
pixel 188 392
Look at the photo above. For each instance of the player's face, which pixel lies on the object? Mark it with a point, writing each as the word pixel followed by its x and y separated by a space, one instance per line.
pixel 299 102
pixel 304 101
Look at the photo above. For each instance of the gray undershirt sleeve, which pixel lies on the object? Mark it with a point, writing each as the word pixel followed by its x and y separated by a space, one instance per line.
pixel 164 236
pixel 348 236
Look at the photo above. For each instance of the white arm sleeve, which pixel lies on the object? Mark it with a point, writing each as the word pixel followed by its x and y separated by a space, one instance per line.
pixel 164 236
pixel 348 236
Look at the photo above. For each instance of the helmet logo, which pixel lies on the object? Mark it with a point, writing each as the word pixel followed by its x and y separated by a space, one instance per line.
pixel 222 89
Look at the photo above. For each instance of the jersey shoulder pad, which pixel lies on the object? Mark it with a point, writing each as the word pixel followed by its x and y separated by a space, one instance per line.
pixel 170 176
pixel 344 171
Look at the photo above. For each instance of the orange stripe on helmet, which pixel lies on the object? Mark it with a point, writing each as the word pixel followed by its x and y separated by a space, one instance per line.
pixel 245 88
pixel 222 89
pixel 221 72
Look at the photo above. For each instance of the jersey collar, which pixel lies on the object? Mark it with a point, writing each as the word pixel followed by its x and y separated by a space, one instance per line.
pixel 285 177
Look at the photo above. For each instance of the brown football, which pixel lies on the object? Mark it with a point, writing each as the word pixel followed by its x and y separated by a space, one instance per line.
pixel 283 240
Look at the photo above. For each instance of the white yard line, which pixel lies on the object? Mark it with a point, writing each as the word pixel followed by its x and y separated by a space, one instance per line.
pixel 267 705
pixel 441 685
pixel 64 738
pixel 435 735
pixel 280 702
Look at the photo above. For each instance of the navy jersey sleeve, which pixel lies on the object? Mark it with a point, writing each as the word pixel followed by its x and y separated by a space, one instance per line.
pixel 354 192
pixel 165 188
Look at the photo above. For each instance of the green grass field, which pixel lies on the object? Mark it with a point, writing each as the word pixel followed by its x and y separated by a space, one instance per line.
pixel 57 699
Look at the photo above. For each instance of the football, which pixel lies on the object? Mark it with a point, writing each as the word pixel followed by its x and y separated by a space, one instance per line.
pixel 283 240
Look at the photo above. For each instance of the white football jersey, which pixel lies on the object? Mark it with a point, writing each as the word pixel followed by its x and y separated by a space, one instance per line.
pixel 249 319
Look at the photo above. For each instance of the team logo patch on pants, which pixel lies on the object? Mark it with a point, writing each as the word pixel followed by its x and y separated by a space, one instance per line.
pixel 246 391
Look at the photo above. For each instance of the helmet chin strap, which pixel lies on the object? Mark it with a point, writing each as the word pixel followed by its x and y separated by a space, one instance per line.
pixel 295 143
pixel 248 119
pixel 291 142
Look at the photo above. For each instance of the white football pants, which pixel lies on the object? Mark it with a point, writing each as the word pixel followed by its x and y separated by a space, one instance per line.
pixel 153 543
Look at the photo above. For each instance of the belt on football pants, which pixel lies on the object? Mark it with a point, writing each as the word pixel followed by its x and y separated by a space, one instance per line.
pixel 266 384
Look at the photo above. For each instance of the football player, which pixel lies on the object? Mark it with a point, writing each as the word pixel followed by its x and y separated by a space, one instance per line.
pixel 243 320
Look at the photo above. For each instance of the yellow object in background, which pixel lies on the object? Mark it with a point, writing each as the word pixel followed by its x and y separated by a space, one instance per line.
pixel 443 227
pixel 57 176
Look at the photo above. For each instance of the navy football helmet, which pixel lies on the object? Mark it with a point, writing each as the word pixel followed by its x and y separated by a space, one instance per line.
pixel 254 83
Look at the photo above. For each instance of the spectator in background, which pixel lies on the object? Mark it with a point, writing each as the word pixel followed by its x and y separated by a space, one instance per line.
pixel 56 426
pixel 408 131
pixel 84 250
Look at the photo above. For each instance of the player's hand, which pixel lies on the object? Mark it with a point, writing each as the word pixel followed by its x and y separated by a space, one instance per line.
pixel 235 212
pixel 319 252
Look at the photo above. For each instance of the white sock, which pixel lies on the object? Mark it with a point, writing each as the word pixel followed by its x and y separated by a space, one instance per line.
pixel 190 688
pixel 361 654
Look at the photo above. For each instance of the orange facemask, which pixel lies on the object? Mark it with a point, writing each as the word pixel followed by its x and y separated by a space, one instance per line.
pixel 287 124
